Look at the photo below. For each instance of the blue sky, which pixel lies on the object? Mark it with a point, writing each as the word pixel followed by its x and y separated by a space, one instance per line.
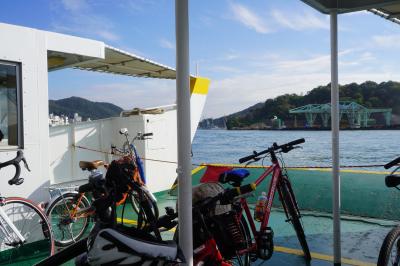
pixel 251 50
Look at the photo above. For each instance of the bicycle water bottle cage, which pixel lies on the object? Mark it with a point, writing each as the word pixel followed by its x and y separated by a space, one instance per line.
pixel 265 244
pixel 234 177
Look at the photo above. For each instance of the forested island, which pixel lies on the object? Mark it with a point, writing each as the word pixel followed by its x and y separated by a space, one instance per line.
pixel 274 113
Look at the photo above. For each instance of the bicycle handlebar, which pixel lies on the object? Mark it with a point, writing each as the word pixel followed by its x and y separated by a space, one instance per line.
pixel 284 148
pixel 392 163
pixel 147 134
pixel 16 180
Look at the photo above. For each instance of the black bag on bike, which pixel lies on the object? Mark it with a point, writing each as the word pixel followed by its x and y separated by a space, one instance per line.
pixel 119 176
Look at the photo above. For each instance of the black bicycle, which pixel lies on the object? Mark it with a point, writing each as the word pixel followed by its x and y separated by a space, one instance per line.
pixel 390 249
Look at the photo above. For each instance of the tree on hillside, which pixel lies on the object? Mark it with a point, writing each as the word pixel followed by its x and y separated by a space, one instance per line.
pixel 369 94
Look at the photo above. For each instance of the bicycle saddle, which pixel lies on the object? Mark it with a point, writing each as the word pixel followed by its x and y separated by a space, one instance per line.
pixel 84 165
pixel 234 177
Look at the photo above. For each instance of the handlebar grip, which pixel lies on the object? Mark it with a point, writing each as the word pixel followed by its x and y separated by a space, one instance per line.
pixel 16 180
pixel 85 188
pixel 296 142
pixel 147 134
pixel 230 194
pixel 247 158
pixel 390 164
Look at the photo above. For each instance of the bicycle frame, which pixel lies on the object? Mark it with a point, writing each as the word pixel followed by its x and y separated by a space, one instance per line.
pixel 276 171
pixel 5 220
pixel 82 213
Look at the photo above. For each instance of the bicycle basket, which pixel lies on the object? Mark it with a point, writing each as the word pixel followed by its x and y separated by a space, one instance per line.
pixel 227 233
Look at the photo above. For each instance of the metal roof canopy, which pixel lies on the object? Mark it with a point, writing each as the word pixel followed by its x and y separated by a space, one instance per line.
pixel 115 61
pixel 389 9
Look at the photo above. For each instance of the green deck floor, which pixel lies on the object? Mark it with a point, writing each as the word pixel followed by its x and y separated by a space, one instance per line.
pixel 361 237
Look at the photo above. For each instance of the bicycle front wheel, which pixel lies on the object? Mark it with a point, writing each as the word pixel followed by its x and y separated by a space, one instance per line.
pixel 145 207
pixel 390 250
pixel 290 206
pixel 33 225
pixel 68 228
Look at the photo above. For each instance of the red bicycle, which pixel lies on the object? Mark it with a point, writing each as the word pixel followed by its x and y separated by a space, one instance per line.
pixel 262 246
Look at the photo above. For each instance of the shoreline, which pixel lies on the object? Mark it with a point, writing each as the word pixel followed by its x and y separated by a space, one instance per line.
pixel 305 129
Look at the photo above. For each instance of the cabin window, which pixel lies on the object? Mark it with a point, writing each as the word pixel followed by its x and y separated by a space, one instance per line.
pixel 10 114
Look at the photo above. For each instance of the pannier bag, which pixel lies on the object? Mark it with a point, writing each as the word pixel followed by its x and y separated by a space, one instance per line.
pixel 209 190
pixel 115 247
pixel 222 221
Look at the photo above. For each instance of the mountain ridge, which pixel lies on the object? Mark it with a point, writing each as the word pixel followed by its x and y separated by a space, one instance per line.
pixel 85 108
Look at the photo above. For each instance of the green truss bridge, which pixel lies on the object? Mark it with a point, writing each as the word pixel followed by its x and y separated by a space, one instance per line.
pixel 356 114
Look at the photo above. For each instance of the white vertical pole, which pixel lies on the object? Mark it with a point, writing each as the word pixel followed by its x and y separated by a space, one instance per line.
pixel 184 129
pixel 335 140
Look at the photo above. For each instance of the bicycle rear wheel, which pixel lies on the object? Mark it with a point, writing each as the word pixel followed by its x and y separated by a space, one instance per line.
pixel 33 225
pixel 390 250
pixel 290 205
pixel 67 230
pixel 243 260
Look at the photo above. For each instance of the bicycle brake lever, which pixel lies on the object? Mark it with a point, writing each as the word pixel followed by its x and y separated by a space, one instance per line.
pixel 26 164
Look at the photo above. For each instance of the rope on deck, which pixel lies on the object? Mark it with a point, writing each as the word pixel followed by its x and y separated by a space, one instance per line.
pixel 233 165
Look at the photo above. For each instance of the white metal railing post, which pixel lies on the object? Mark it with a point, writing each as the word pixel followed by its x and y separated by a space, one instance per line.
pixel 335 140
pixel 184 129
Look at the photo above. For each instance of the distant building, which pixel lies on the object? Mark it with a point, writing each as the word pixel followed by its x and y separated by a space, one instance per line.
pixel 60 120
pixel 77 118
pixel 55 120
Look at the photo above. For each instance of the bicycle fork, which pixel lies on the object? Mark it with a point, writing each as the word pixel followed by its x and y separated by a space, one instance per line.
pixel 9 230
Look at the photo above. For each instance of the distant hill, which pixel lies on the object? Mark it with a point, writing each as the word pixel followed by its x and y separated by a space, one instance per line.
pixel 368 94
pixel 85 108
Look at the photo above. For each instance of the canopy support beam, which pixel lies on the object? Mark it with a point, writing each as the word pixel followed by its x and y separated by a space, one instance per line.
pixel 335 139
pixel 184 129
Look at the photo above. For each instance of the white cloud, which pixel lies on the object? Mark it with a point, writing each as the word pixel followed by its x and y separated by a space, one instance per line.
pixel 74 5
pixel 299 22
pixel 164 43
pixel 136 6
pixel 286 75
pixel 248 18
pixel 387 41
pixel 78 18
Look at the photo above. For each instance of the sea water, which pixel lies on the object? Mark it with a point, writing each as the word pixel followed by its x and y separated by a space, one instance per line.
pixel 358 147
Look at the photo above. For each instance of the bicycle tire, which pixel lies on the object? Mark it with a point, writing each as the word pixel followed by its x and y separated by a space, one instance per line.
pixel 32 223
pixel 245 230
pixel 391 239
pixel 289 202
pixel 67 230
pixel 145 207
